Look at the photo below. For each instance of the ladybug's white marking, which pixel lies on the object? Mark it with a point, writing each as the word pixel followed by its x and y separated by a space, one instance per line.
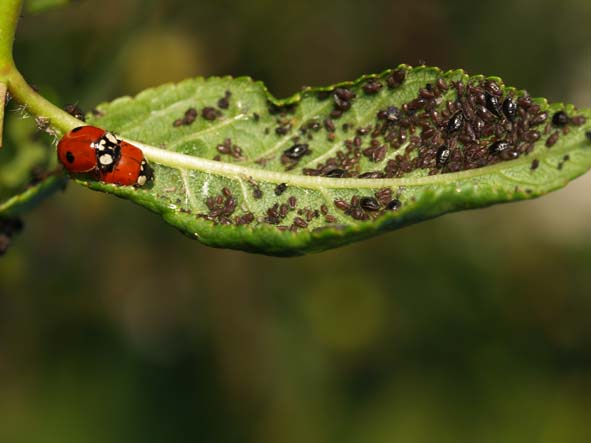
pixel 141 180
pixel 106 159
pixel 111 138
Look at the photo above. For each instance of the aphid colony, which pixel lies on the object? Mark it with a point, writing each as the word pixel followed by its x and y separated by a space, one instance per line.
pixel 103 155
pixel 448 127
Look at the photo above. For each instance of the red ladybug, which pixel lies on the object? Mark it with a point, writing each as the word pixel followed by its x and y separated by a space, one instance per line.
pixel 76 149
pixel 131 169
pixel 88 149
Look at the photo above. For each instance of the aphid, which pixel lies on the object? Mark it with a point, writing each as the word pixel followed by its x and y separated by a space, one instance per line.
pixel 588 135
pixel 442 84
pixel 538 119
pixel 510 109
pixel 369 204
pixel 396 78
pixel 75 111
pixel 455 122
pixel 484 114
pixel 224 102
pixel 492 104
pixel 560 119
pixel 394 205
pixel 442 156
pixel 531 136
pixel 534 164
pixel 498 147
pixel 341 204
pixel 342 99
pixel 335 173
pixel 492 88
pixel 283 128
pixel 209 113
pixel 510 154
pixel 280 189
pixel 300 222
pixel 297 151
pixel 552 139
pixel 578 120
pixel 372 87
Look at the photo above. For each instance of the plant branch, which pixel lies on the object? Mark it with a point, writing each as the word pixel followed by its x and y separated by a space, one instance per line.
pixel 9 14
pixel 38 105
pixel 12 78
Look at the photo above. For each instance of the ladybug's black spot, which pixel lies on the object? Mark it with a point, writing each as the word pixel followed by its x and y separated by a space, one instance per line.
pixel 77 129
pixel 70 157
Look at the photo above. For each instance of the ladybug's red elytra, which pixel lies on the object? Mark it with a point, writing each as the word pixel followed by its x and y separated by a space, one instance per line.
pixel 92 150
pixel 131 169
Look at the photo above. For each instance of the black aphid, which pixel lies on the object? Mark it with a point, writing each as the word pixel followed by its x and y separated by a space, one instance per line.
pixel 75 111
pixel 280 189
pixel 498 147
pixel 335 173
pixel 560 119
pixel 394 205
pixel 510 109
pixel 588 135
pixel 297 151
pixel 534 164
pixel 209 113
pixel 369 204
pixel 492 103
pixel 442 156
pixel 455 122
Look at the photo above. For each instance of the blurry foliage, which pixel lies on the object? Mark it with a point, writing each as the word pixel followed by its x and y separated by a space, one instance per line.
pixel 474 327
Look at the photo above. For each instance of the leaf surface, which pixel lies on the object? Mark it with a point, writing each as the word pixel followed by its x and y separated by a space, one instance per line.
pixel 236 168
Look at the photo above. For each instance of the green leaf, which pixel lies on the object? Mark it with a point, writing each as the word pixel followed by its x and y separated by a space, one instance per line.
pixel 38 6
pixel 234 157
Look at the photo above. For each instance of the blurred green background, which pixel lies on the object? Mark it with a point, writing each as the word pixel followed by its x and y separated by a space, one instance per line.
pixel 472 327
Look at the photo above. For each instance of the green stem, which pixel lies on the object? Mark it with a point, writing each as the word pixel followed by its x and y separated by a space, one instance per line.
pixel 39 106
pixel 18 87
pixel 9 13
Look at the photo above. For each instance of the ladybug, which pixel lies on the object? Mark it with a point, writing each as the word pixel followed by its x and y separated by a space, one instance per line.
pixel 76 149
pixel 88 149
pixel 130 169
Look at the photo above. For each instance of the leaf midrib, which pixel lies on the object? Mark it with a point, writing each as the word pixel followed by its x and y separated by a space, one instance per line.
pixel 186 162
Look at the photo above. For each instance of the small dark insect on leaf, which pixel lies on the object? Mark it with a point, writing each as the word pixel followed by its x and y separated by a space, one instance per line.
pixel 280 189
pixel 335 173
pixel 369 204
pixel 588 135
pixel 455 122
pixel 297 151
pixel 492 104
pixel 560 119
pixel 498 147
pixel 75 111
pixel 372 87
pixel 394 205
pixel 209 113
pixel 510 109
pixel 442 156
